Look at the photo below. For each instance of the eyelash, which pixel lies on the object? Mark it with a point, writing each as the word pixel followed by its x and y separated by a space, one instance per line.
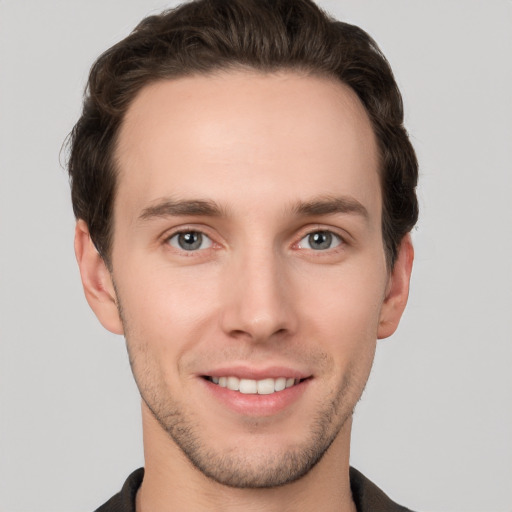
pixel 336 237
pixel 330 235
pixel 177 234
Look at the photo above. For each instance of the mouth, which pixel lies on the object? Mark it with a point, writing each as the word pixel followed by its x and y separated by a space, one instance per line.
pixel 266 386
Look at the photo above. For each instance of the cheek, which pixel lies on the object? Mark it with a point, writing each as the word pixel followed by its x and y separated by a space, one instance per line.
pixel 165 307
pixel 343 307
pixel 162 324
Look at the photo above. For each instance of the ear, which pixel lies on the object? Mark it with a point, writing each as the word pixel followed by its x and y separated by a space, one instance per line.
pixel 96 280
pixel 397 290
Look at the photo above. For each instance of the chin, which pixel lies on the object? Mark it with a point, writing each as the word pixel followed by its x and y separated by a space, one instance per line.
pixel 254 459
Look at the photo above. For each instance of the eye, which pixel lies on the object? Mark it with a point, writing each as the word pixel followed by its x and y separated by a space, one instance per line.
pixel 320 241
pixel 190 241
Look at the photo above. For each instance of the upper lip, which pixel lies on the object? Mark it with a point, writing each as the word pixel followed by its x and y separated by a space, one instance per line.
pixel 245 372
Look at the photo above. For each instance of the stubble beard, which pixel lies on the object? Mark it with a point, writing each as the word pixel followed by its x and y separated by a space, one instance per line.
pixel 237 469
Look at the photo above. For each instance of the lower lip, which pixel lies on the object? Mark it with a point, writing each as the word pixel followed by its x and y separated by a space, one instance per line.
pixel 257 405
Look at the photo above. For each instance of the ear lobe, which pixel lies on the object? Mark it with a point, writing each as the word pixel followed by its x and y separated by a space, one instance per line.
pixel 96 280
pixel 397 290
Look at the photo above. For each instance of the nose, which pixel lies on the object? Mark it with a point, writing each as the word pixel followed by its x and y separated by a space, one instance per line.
pixel 258 304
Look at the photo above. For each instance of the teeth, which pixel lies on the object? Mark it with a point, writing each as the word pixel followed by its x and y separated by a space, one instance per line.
pixel 233 383
pixel 253 387
pixel 265 386
pixel 280 384
pixel 248 386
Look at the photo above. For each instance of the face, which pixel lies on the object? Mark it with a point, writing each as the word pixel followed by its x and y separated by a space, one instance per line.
pixel 248 266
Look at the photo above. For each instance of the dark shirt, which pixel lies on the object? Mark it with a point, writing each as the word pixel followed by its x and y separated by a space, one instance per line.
pixel 367 496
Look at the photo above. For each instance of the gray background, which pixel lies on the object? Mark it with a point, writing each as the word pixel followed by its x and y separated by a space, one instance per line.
pixel 434 426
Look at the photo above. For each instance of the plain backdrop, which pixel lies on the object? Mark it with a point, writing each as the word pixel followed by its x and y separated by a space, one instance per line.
pixel 434 427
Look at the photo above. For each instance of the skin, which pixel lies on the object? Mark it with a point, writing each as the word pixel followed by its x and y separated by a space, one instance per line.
pixel 281 156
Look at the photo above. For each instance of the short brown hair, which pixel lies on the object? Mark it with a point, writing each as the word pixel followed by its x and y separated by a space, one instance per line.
pixel 267 35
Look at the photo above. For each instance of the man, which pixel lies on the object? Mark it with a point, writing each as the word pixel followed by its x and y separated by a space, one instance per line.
pixel 244 189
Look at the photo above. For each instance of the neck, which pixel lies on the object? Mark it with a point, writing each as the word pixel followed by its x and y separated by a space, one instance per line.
pixel 172 483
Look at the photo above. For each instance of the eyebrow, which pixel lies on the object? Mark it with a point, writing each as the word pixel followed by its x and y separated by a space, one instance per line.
pixel 207 208
pixel 169 208
pixel 331 205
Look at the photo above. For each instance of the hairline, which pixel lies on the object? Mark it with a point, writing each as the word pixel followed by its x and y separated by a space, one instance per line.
pixel 225 69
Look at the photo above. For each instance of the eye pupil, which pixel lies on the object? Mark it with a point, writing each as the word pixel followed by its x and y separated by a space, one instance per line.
pixel 190 241
pixel 320 240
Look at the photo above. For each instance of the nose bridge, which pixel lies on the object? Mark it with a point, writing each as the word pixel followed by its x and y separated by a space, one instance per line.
pixel 259 305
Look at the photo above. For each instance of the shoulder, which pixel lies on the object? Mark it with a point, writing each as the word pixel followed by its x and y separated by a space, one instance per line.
pixel 368 497
pixel 124 500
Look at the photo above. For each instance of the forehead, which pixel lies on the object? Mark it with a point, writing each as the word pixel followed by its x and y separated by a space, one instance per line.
pixel 242 136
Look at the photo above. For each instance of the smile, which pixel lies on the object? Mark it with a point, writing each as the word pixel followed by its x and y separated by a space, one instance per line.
pixel 255 387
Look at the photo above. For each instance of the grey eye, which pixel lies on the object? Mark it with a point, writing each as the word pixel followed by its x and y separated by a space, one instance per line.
pixel 190 241
pixel 320 241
